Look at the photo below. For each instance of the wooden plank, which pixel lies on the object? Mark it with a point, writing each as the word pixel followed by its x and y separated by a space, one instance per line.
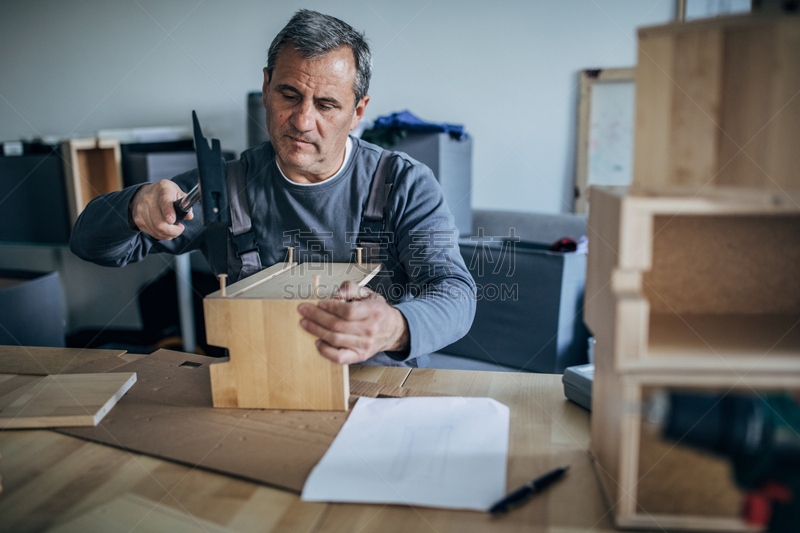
pixel 297 282
pixel 60 400
pixel 384 375
pixel 129 512
pixel 375 390
pixel 42 361
pixel 274 363
pixel 249 282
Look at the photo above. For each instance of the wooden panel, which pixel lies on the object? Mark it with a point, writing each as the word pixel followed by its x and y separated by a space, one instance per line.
pixel 92 167
pixel 716 104
pixel 43 360
pixel 274 363
pixel 63 400
pixel 298 282
pixel 382 375
pixel 252 281
pixel 724 264
pixel 729 340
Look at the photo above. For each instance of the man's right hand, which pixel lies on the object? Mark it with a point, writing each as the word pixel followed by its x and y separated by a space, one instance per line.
pixel 152 210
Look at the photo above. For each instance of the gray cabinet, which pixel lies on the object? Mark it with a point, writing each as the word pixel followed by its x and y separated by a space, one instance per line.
pixel 451 162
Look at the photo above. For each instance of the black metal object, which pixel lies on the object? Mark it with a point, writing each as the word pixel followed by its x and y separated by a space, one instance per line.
pixel 214 193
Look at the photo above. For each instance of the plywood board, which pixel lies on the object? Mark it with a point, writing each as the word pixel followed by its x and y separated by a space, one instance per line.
pixel 274 362
pixel 60 400
pixel 297 282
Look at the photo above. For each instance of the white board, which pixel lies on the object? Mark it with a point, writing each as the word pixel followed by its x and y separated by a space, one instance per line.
pixel 611 128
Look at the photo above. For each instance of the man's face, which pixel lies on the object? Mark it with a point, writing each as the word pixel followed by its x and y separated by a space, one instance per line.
pixel 310 112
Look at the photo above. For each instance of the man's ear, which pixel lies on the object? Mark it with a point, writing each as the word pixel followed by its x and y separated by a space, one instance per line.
pixel 264 87
pixel 358 113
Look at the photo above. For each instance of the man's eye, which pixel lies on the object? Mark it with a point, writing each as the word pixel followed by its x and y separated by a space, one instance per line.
pixel 289 96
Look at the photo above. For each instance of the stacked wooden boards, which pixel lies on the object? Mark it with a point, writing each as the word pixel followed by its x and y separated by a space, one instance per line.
pixel 692 278
pixel 274 363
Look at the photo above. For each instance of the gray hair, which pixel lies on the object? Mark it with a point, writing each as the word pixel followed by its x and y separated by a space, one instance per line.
pixel 313 35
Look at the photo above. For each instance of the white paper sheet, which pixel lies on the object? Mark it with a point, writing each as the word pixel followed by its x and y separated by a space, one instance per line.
pixel 436 452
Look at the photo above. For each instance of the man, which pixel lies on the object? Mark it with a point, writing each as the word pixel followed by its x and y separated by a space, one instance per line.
pixel 310 187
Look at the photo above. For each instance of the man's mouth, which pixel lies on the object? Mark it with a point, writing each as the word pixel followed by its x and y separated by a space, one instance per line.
pixel 301 142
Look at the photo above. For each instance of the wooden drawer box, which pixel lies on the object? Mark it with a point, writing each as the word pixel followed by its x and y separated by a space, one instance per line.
pixel 716 103
pixel 654 483
pixel 704 282
pixel 274 363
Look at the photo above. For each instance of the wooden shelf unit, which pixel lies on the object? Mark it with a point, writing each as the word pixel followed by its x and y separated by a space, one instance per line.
pixel 697 291
pixel 707 281
pixel 715 103
pixel 654 484
pixel 692 273
pixel 91 167
pixel 274 363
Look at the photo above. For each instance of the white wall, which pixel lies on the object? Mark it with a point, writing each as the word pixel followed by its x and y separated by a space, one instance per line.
pixel 505 69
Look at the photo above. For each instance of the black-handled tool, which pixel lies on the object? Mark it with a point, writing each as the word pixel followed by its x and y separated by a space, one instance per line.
pixel 184 205
pixel 528 490
pixel 211 183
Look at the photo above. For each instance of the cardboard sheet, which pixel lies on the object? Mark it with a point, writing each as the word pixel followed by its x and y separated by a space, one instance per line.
pixel 168 413
pixel 437 452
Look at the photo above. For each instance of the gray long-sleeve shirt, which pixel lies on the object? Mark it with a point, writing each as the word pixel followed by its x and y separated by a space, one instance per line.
pixel 427 281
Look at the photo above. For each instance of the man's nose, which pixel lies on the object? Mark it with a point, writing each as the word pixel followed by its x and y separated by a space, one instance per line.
pixel 303 117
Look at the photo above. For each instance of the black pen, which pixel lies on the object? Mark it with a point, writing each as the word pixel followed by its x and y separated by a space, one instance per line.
pixel 527 490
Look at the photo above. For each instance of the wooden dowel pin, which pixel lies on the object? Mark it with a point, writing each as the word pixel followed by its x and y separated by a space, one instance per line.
pixel 316 286
pixel 222 284
pixel 291 255
pixel 358 255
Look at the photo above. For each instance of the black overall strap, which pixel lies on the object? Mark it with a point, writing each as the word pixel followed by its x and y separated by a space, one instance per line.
pixel 244 254
pixel 371 234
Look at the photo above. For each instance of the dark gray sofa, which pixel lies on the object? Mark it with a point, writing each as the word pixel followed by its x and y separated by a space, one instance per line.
pixel 541 330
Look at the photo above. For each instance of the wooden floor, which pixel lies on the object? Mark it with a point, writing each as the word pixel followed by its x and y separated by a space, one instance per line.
pixel 59 483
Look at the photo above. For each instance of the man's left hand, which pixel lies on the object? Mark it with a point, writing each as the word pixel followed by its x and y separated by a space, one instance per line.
pixel 355 325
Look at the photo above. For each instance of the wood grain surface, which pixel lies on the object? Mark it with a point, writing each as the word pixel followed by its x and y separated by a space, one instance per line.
pixel 60 400
pixel 55 481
